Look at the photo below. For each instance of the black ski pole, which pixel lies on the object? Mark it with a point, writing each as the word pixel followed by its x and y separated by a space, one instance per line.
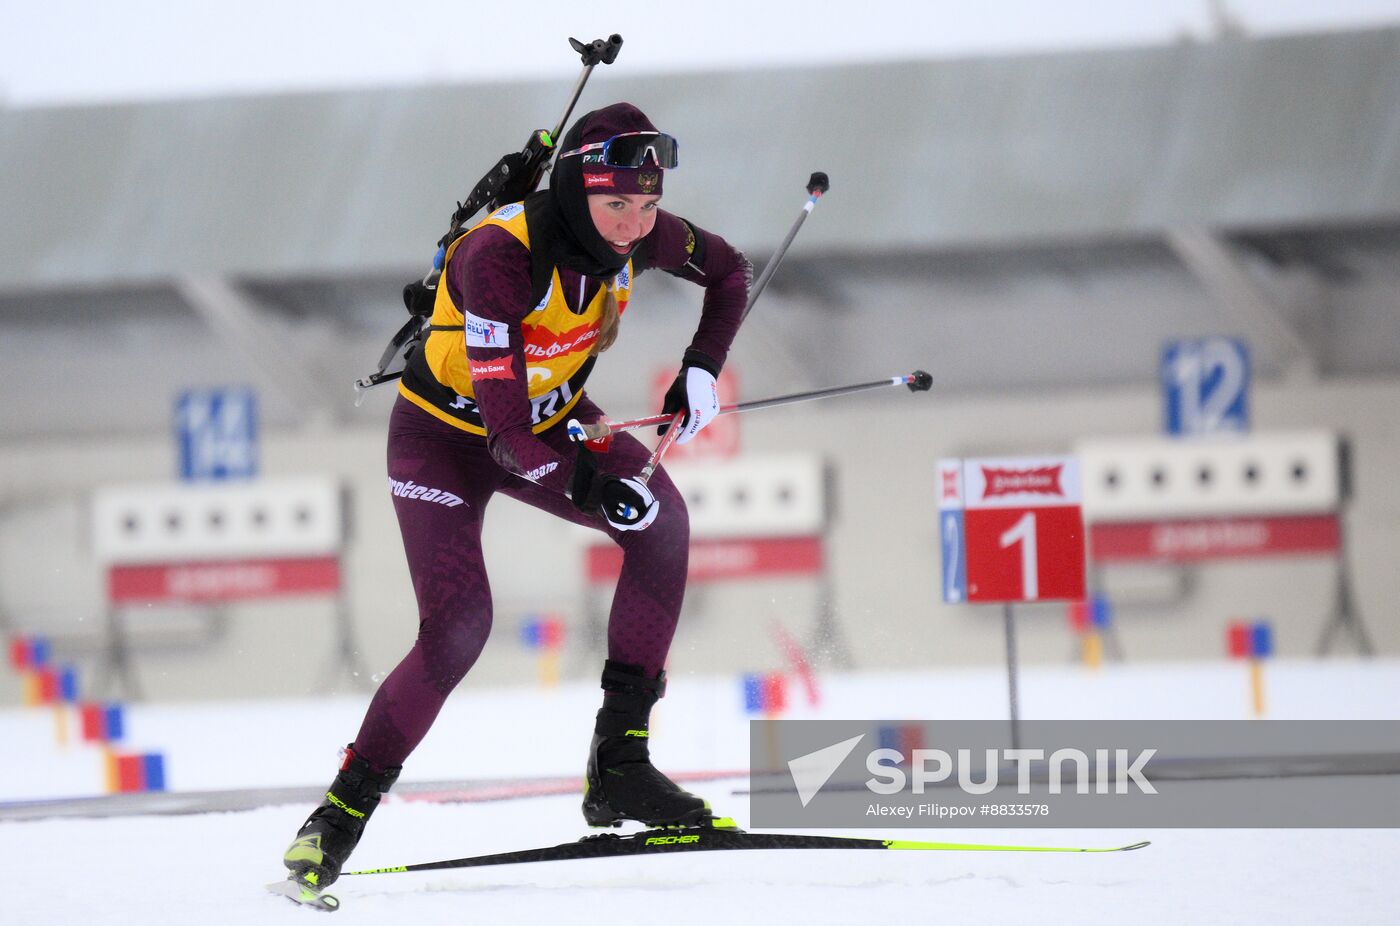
pixel 816 186
pixel 918 381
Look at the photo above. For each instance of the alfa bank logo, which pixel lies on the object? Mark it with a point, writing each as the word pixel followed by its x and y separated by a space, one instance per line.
pixel 503 368
pixel 1044 480
pixel 545 344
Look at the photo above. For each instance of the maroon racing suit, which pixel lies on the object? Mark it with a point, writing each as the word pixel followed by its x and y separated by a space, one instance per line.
pixel 442 476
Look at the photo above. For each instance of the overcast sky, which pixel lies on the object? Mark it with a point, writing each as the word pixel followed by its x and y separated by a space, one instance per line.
pixel 59 52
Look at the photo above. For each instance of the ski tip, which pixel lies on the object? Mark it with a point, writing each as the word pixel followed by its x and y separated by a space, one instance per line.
pixel 1136 845
pixel 299 893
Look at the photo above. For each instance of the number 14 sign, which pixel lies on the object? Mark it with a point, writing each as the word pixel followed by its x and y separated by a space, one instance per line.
pixel 1011 529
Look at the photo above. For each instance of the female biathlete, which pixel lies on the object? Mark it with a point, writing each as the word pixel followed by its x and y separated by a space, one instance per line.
pixel 527 300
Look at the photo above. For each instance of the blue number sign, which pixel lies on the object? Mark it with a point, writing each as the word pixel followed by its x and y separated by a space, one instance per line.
pixel 950 529
pixel 217 432
pixel 1205 386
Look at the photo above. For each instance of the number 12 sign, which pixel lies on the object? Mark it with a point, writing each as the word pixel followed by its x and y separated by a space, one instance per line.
pixel 1011 529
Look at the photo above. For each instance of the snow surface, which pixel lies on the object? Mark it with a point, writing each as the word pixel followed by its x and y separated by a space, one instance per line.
pixel 210 868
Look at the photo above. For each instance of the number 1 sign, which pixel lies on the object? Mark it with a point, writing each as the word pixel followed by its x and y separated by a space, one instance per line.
pixel 1011 529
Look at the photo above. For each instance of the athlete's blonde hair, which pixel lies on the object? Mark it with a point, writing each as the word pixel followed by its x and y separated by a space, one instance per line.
pixel 607 326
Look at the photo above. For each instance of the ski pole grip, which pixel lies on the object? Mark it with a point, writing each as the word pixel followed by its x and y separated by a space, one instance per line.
pixel 819 183
pixel 598 51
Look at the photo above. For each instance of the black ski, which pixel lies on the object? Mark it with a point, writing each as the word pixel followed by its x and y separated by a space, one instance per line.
pixel 701 839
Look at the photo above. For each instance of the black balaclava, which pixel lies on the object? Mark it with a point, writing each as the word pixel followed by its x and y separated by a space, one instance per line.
pixel 576 243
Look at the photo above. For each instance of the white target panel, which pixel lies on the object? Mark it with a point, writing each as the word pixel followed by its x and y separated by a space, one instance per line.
pixel 778 495
pixel 1134 479
pixel 171 523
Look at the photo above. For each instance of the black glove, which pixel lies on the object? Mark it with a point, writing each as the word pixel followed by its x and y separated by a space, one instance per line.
pixel 626 504
pixel 693 392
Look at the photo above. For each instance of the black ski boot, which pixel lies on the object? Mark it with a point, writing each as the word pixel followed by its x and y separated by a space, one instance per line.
pixel 329 835
pixel 621 783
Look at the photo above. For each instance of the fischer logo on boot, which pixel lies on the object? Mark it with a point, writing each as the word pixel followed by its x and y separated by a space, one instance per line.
pixel 344 806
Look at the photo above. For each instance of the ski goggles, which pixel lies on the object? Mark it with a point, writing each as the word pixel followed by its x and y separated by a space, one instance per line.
pixel 631 149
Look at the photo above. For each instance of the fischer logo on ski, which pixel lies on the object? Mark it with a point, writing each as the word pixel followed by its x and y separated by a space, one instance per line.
pixel 672 840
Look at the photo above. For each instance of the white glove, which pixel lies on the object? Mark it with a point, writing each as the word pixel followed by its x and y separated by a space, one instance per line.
pixel 702 397
pixel 694 393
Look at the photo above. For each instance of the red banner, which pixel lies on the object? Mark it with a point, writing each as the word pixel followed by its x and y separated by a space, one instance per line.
pixel 239 580
pixel 1214 538
pixel 727 559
